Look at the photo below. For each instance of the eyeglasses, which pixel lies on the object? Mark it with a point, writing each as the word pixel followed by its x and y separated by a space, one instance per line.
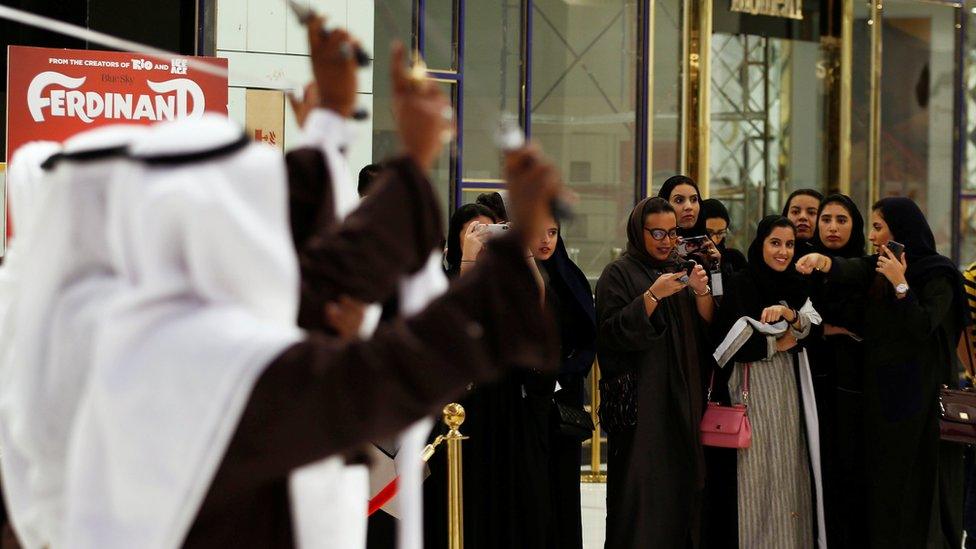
pixel 723 233
pixel 659 234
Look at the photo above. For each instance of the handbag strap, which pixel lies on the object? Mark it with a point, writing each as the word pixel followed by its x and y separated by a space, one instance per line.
pixel 745 386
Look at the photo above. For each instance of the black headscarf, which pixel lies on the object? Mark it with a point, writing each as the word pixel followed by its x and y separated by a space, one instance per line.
pixel 773 286
pixel 855 245
pixel 577 323
pixel 635 237
pixel 665 193
pixel 731 258
pixel 908 226
pixel 452 256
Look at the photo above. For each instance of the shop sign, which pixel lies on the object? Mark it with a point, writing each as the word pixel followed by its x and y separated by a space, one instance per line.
pixel 790 9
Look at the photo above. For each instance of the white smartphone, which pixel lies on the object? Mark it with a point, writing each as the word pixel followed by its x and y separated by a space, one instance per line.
pixel 496 229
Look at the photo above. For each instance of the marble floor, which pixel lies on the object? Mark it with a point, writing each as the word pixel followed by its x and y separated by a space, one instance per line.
pixel 594 501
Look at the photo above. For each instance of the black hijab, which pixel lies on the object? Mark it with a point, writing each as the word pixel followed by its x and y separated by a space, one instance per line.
pixel 731 258
pixel 665 193
pixel 772 286
pixel 452 256
pixel 908 226
pixel 855 245
pixel 635 235
pixel 577 324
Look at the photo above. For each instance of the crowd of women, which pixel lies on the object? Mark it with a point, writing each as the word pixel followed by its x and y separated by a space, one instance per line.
pixel 838 371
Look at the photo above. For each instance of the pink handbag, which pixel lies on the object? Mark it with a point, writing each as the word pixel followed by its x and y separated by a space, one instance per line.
pixel 727 426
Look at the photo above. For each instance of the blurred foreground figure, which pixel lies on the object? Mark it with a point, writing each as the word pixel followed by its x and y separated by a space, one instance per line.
pixel 205 396
pixel 201 396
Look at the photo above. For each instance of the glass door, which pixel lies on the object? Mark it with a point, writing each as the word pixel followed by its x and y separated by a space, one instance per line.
pixel 768 115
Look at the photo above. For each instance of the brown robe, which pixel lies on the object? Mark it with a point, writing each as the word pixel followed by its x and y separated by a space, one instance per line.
pixel 322 397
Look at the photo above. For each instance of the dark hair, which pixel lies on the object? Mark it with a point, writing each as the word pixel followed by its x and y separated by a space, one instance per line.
pixel 801 192
pixel 779 222
pixel 495 203
pixel 657 205
pixel 467 212
pixel 670 183
pixel 367 176
pixel 714 209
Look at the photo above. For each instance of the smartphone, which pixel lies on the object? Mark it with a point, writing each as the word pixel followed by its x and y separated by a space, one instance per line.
pixel 896 249
pixel 686 269
pixel 497 229
pixel 690 245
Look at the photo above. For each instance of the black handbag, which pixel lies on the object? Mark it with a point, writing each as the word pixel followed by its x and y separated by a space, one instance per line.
pixel 618 402
pixel 572 422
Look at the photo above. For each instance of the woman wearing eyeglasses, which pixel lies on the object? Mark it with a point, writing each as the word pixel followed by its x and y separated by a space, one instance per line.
pixel 718 226
pixel 653 351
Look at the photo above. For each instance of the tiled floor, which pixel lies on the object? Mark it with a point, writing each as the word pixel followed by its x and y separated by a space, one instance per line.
pixel 594 502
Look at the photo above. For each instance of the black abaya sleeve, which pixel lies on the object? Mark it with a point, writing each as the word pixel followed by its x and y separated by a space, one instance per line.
pixel 923 310
pixel 622 321
pixel 857 271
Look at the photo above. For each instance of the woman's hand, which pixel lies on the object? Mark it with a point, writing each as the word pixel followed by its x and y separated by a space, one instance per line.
pixel 773 314
pixel 698 281
pixel 714 256
pixel 785 342
pixel 813 262
pixel 892 268
pixel 474 241
pixel 667 285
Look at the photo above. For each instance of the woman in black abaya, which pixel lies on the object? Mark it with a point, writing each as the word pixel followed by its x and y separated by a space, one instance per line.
pixel 570 301
pixel 915 311
pixel 652 344
pixel 836 358
pixel 507 492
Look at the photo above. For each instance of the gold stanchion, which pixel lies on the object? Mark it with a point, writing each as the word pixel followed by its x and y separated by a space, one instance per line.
pixel 595 474
pixel 453 418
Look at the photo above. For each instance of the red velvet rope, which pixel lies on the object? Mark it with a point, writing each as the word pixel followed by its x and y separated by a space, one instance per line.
pixel 386 494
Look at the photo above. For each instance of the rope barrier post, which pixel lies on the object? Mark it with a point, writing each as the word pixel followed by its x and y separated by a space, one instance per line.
pixel 596 442
pixel 453 418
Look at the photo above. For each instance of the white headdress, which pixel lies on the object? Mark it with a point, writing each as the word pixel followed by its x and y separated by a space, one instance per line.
pixel 28 189
pixel 204 241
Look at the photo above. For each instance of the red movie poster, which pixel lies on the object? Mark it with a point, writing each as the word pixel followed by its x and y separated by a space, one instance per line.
pixel 53 94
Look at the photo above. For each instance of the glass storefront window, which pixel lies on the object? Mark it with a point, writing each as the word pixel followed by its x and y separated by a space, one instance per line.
pixel 491 82
pixel 917 109
pixel 768 120
pixel 860 107
pixel 393 21
pixel 584 114
pixel 666 102
pixel 440 38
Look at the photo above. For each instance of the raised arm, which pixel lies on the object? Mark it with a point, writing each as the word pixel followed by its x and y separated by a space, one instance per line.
pixel 623 322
